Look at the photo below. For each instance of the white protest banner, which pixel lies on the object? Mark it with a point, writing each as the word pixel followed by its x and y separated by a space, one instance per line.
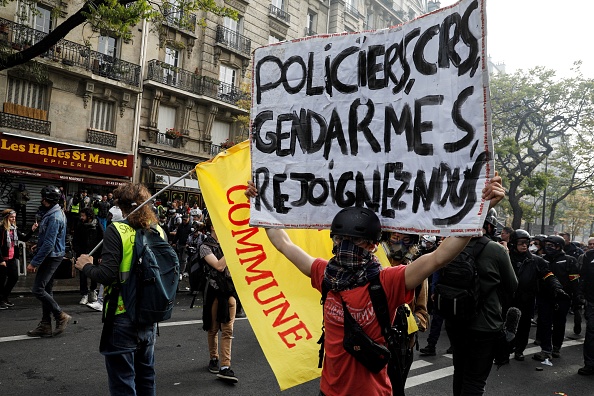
pixel 397 120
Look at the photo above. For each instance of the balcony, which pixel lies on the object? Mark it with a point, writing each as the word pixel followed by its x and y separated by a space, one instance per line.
pixel 14 121
pixel 178 21
pixel 309 32
pixel 215 149
pixel 103 138
pixel 279 14
pixel 163 139
pixel 349 8
pixel 192 83
pixel 234 40
pixel 70 53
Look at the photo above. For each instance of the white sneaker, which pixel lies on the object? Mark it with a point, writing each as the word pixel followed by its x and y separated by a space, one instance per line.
pixel 97 306
pixel 84 300
pixel 92 296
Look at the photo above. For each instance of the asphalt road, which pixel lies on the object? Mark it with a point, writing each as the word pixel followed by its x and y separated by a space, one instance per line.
pixel 71 364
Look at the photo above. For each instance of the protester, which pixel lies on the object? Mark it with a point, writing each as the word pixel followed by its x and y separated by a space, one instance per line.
pixel 403 249
pixel 128 348
pixel 179 242
pixel 103 211
pixel 586 297
pixel 220 306
pixel 50 251
pixel 552 311
pixel 356 233
pixel 475 343
pixel 9 255
pixel 533 275
pixel 87 234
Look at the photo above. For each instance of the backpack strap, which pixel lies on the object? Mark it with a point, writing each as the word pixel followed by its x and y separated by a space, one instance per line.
pixel 322 336
pixel 380 305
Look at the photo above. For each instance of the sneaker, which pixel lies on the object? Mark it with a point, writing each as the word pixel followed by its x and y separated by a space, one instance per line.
pixel 185 274
pixel 227 374
pixel 450 350
pixel 61 323
pixel 519 356
pixel 586 370
pixel 43 329
pixel 429 350
pixel 3 305
pixel 97 306
pixel 84 300
pixel 541 356
pixel 8 303
pixel 213 366
pixel 92 296
pixel 556 352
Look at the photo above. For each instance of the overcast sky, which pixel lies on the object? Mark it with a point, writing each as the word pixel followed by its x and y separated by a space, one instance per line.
pixel 523 34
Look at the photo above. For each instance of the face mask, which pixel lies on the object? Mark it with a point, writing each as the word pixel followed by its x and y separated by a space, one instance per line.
pixel 533 249
pixel 550 250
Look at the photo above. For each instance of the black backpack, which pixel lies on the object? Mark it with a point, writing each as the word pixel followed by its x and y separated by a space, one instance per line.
pixel 149 292
pixel 457 292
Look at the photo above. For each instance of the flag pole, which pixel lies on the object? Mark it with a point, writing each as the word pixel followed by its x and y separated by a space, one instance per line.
pixel 147 201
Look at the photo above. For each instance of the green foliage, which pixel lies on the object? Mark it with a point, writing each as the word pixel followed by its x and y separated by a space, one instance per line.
pixel 538 117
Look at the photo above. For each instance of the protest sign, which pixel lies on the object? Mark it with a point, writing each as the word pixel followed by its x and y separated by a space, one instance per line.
pixel 396 120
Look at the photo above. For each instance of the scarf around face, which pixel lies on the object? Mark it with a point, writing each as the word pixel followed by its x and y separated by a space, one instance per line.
pixel 352 266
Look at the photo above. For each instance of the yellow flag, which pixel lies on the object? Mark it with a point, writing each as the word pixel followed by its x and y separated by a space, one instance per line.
pixel 282 307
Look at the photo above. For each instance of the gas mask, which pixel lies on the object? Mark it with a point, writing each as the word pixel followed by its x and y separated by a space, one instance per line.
pixel 396 250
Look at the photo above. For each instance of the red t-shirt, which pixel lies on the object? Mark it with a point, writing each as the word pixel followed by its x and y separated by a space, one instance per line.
pixel 342 374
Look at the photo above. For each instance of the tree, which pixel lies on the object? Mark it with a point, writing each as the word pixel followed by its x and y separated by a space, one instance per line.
pixel 115 16
pixel 537 117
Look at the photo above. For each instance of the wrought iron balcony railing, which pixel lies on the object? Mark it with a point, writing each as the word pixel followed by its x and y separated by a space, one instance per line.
pixel 71 54
pixel 309 32
pixel 280 14
pixel 234 40
pixel 103 138
pixel 352 10
pixel 190 82
pixel 179 21
pixel 163 139
pixel 14 121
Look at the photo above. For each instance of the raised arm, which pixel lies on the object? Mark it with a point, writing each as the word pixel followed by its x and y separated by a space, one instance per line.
pixel 281 241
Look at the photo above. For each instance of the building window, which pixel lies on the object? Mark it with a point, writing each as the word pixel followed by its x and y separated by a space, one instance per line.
pixel 311 22
pixel 280 4
pixel 107 46
pixel 27 93
pixel 272 39
pixel 102 115
pixel 220 132
pixel 43 19
pixel 167 116
pixel 227 78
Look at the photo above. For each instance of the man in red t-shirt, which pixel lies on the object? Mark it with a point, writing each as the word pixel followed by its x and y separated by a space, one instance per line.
pixel 356 233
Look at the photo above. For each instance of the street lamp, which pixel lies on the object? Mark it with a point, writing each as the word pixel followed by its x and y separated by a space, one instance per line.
pixel 544 199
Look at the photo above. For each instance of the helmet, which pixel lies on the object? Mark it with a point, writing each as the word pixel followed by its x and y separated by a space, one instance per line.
pixel 357 222
pixel 556 239
pixel 540 237
pixel 428 241
pixel 518 234
pixel 51 194
pixel 491 217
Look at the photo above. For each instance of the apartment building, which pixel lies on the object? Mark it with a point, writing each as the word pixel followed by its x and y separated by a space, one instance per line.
pixel 96 111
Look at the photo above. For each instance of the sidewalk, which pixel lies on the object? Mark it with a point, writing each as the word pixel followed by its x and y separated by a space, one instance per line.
pixel 25 283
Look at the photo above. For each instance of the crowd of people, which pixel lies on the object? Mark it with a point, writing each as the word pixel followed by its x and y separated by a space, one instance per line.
pixel 544 277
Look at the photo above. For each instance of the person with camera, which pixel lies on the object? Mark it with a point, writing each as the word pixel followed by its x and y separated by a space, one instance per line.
pixel 356 233
pixel 49 253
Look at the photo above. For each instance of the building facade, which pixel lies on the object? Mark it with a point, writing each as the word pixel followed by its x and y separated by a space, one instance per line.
pixel 95 111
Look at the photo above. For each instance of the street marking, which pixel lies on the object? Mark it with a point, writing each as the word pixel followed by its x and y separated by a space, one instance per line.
pixel 428 377
pixel 17 338
pixel 419 363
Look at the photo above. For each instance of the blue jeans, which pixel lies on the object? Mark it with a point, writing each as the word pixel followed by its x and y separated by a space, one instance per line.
pixel 103 222
pixel 474 352
pixel 129 357
pixel 589 341
pixel 435 329
pixel 43 288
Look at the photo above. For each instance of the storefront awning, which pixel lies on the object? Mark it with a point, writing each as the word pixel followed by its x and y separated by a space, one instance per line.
pixel 60 175
pixel 164 177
